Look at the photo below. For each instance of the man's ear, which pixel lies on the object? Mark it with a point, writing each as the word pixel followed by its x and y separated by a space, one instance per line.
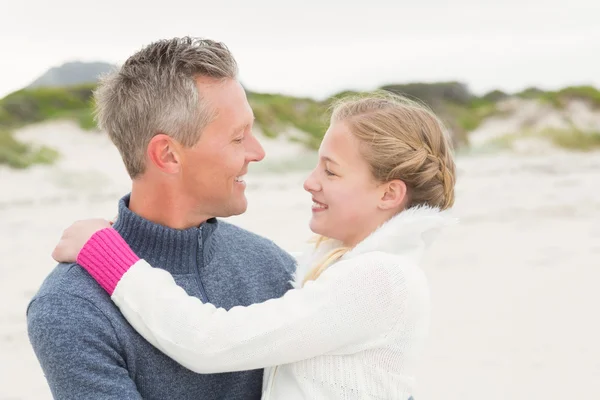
pixel 165 153
pixel 394 195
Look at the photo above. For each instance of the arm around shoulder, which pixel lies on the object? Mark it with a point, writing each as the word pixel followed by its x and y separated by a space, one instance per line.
pixel 347 306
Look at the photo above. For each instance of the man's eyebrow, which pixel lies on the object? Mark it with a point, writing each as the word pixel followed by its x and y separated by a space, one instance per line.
pixel 243 126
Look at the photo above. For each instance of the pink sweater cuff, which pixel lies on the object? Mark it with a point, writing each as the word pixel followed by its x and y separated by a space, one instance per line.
pixel 106 256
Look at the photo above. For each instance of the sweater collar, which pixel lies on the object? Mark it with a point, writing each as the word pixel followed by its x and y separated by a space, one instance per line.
pixel 407 234
pixel 175 250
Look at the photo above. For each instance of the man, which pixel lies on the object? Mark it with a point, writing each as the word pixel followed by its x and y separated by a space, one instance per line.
pixel 182 123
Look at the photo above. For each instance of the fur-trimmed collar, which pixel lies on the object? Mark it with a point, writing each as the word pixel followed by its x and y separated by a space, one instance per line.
pixel 407 231
pixel 408 234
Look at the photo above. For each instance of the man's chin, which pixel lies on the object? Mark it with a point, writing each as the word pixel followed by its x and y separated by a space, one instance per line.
pixel 238 208
pixel 239 211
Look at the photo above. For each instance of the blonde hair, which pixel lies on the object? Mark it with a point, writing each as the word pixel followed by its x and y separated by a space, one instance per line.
pixel 400 139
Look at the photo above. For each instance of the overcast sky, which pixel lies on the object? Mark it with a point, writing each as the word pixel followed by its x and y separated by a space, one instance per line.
pixel 320 47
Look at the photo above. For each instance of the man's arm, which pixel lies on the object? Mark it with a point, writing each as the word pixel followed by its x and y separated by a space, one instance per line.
pixel 78 350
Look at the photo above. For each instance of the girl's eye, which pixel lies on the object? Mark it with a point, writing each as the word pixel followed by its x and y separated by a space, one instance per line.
pixel 328 172
pixel 238 140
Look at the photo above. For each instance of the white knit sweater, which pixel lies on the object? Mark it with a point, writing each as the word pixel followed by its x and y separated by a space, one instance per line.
pixel 354 333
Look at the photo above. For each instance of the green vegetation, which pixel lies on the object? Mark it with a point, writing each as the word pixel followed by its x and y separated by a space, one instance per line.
pixel 574 139
pixel 460 110
pixel 22 155
pixel 457 107
pixel 570 139
pixel 560 97
pixel 36 105
pixel 274 112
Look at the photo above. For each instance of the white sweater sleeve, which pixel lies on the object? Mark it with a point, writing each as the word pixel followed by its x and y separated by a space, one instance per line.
pixel 353 302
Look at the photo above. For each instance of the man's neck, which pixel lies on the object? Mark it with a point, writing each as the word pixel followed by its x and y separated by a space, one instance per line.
pixel 172 249
pixel 159 204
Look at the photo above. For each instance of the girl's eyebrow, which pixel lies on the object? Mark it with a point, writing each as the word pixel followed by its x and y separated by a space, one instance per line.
pixel 328 159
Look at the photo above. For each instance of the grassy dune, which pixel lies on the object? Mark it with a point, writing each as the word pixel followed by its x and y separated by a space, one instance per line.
pixel 460 110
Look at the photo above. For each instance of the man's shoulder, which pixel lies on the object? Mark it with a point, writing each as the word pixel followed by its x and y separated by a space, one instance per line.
pixel 68 285
pixel 254 247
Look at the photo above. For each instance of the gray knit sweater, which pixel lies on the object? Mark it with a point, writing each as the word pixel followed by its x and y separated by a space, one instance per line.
pixel 86 348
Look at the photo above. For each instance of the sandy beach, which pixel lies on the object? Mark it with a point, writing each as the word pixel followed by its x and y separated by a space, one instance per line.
pixel 513 285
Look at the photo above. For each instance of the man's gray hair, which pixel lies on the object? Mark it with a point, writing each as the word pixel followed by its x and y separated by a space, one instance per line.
pixel 155 92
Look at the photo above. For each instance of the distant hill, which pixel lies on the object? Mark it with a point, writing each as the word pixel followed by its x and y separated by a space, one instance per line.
pixel 72 73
